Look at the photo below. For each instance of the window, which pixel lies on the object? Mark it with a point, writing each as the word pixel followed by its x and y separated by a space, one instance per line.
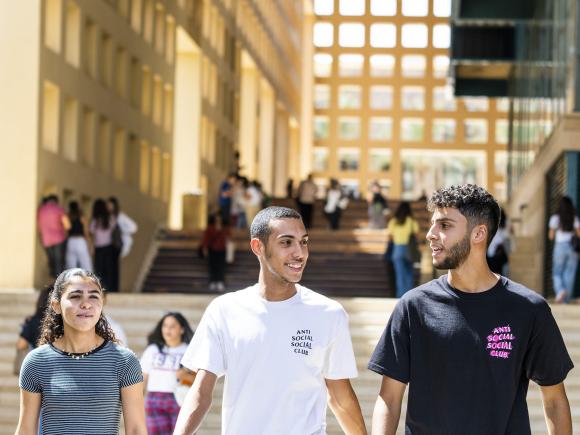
pixel 350 65
pixel 501 131
pixel 168 108
pixel 502 104
pixel 476 104
pixel 413 65
pixel 321 96
pixel 323 35
pixel 104 158
pixel 380 128
pixel 413 98
pixel 52 24
pixel 380 159
pixel 135 82
pixel 349 97
pixel 351 35
pixel 381 97
pixel 50 116
pixel 121 72
pixel 384 8
pixel 475 130
pixel 322 65
pixel 348 159
pixel 382 65
pixel 321 127
pixel 440 66
pixel 106 62
pixel 351 7
pixel 119 154
pixel 323 7
pixel 414 36
pixel 146 91
pixel 70 140
pixel 319 159
pixel 415 8
pixel 443 130
pixel 383 35
pixel 348 127
pixel 443 98
pixel 136 10
pixel 441 36
pixel 144 167
pixel 442 8
pixel 412 129
pixel 72 48
pixel 90 49
pixel 88 137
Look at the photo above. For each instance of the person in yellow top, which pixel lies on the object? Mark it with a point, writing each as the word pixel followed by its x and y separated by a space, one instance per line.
pixel 400 228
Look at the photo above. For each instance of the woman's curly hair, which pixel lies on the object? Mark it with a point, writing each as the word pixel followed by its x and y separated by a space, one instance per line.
pixel 52 327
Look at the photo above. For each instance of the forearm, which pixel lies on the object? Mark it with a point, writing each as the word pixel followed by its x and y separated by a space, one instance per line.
pixel 349 415
pixel 385 418
pixel 558 418
pixel 192 413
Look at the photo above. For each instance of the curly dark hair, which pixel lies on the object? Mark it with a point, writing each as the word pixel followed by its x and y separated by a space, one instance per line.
pixel 156 336
pixel 52 327
pixel 474 202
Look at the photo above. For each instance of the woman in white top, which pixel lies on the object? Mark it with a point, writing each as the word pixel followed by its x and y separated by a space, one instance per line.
pixel 162 371
pixel 562 226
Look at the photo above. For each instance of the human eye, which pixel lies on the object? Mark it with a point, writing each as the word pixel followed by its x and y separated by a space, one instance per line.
pixel 304 242
pixel 285 242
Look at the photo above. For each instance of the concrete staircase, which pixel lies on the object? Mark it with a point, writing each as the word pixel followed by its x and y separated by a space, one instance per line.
pixel 138 313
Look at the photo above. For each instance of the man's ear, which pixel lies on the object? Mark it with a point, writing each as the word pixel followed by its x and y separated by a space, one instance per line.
pixel 257 247
pixel 55 306
pixel 479 234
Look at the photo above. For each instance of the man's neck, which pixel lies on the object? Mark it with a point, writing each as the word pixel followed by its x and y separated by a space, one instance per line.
pixel 473 276
pixel 275 291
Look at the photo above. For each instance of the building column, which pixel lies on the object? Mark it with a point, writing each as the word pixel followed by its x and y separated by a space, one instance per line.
pixel 266 144
pixel 306 112
pixel 248 123
pixel 186 172
pixel 281 156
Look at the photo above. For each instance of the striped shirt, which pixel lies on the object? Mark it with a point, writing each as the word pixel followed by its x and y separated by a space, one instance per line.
pixel 80 396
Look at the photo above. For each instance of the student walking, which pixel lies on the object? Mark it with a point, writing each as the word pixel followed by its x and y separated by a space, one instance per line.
pixel 282 347
pixel 102 227
pixel 563 225
pixel 53 225
pixel 214 243
pixel 78 248
pixel 162 371
pixel 78 377
pixel 468 342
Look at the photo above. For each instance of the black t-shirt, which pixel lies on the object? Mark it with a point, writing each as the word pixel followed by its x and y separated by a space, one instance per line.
pixel 31 329
pixel 468 357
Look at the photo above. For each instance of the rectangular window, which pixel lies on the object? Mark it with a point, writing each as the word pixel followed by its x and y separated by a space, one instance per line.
pixel 475 130
pixel 380 159
pixel 502 104
pixel 104 145
pixel 351 7
pixel 500 163
pixel 440 66
pixel 380 128
pixel 106 62
pixel 383 8
pixel 501 131
pixel 119 154
pixel 321 96
pixel 121 72
pixel 323 34
pixel 443 130
pixel 350 65
pixel 349 127
pixel 321 127
pixel 157 99
pixel 443 99
pixel 349 97
pixel 476 104
pixel 70 140
pixel 90 50
pixel 415 8
pixel 351 35
pixel 50 116
pixel 144 167
pixel 413 65
pixel 381 97
pixel 442 8
pixel 382 65
pixel 323 7
pixel 53 24
pixel 88 137
pixel 441 36
pixel 72 47
pixel 135 82
pixel 413 98
pixel 348 159
pixel 320 159
pixel 414 36
pixel 412 129
pixel 322 65
pixel 383 35
pixel 168 108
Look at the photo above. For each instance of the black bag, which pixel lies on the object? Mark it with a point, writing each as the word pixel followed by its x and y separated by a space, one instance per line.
pixel 575 243
pixel 116 238
pixel 413 252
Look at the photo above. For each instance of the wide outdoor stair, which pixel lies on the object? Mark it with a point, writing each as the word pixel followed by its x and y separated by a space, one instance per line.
pixel 138 313
pixel 346 262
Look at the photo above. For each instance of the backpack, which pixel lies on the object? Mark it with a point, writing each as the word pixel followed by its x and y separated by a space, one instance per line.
pixel 117 238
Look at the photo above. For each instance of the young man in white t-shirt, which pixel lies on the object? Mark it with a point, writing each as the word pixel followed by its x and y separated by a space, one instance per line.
pixel 282 347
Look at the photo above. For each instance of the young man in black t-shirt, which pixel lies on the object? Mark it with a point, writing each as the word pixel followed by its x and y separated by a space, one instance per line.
pixel 469 342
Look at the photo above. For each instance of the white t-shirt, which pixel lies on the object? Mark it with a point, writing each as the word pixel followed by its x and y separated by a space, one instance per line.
pixel 275 357
pixel 562 236
pixel 162 367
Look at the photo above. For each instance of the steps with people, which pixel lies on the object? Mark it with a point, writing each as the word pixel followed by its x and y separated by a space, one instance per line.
pixel 138 314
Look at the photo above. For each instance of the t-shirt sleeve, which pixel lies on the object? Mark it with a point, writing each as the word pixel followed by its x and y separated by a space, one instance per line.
pixel 547 361
pixel 30 331
pixel 392 354
pixel 30 373
pixel 206 351
pixel 147 358
pixel 131 373
pixel 576 222
pixel 340 362
pixel 554 222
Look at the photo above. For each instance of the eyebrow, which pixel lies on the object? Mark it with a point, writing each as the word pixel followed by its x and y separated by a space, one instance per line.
pixel 81 291
pixel 444 219
pixel 290 236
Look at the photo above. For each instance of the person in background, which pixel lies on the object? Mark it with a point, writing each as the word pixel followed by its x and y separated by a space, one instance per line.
pixel 213 243
pixel 332 209
pixel 78 247
pixel 290 188
pixel 162 371
pixel 401 227
pixel 53 224
pixel 79 378
pixel 377 206
pixel 238 203
pixel 253 200
pixel 225 197
pixel 106 255
pixel 562 226
pixel 499 248
pixel 305 199
pixel 127 225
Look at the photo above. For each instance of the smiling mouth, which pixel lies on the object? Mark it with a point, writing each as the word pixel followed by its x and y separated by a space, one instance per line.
pixel 295 267
pixel 436 250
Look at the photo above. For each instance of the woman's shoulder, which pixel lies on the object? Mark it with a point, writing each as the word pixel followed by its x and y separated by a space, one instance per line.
pixel 120 352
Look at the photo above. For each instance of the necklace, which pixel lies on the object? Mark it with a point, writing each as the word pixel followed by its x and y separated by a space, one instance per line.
pixel 74 355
